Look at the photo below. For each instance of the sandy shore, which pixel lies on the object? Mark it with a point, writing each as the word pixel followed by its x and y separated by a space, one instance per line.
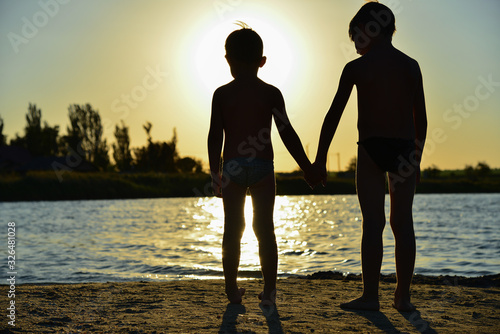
pixel 304 305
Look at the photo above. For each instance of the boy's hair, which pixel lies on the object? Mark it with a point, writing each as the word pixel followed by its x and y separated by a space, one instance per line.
pixel 244 45
pixel 376 17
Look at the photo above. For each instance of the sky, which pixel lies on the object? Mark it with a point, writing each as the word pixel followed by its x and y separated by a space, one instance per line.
pixel 159 61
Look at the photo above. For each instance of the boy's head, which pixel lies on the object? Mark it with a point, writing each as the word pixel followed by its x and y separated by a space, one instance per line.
pixel 245 46
pixel 372 21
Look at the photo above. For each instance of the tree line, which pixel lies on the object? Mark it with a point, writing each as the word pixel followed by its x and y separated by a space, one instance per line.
pixel 84 137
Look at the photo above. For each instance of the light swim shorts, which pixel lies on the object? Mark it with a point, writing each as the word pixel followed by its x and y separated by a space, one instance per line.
pixel 247 171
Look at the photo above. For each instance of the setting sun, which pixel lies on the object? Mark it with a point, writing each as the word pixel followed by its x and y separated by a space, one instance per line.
pixel 211 66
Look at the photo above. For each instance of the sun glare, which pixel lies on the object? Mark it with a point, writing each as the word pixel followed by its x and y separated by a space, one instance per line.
pixel 248 235
pixel 211 66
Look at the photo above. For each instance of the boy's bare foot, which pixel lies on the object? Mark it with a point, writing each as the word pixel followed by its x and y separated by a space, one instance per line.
pixel 403 306
pixel 362 303
pixel 235 296
pixel 268 300
pixel 402 301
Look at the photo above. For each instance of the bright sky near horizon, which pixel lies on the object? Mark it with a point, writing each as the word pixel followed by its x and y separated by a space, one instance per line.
pixel 161 60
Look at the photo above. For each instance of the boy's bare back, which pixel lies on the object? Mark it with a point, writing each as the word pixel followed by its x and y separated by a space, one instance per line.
pixel 387 81
pixel 246 108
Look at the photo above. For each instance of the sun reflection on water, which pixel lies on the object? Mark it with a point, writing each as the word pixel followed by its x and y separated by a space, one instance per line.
pixel 290 219
pixel 305 232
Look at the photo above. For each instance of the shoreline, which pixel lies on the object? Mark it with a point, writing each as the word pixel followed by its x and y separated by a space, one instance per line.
pixel 185 196
pixel 46 186
pixel 480 281
pixel 304 305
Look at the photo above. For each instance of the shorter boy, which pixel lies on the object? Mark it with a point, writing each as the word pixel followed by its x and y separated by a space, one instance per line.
pixel 392 127
pixel 242 113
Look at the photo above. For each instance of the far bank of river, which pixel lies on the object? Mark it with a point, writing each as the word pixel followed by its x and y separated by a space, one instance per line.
pixel 37 186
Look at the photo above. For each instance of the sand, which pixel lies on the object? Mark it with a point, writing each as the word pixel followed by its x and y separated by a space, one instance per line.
pixel 304 305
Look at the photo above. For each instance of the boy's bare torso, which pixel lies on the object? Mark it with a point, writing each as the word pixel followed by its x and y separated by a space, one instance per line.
pixel 246 108
pixel 386 80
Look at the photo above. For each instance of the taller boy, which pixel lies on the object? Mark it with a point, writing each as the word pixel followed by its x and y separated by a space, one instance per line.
pixel 242 113
pixel 392 127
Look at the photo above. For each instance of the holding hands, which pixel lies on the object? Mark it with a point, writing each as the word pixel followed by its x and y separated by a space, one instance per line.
pixel 316 174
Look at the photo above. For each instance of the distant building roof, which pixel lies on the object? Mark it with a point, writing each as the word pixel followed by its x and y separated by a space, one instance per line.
pixel 13 158
pixel 57 163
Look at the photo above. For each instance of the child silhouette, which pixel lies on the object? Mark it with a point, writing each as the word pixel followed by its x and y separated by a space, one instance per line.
pixel 392 127
pixel 242 113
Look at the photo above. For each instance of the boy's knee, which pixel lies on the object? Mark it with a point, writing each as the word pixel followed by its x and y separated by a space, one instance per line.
pixel 374 227
pixel 233 231
pixel 264 234
pixel 234 221
pixel 267 243
pixel 402 230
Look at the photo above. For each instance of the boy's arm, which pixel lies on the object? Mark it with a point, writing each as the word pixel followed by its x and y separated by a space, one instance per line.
pixel 289 136
pixel 215 140
pixel 419 117
pixel 334 114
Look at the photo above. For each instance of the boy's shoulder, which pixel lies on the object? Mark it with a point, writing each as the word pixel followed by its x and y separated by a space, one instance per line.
pixel 270 88
pixel 222 90
pixel 371 60
pixel 234 86
pixel 406 57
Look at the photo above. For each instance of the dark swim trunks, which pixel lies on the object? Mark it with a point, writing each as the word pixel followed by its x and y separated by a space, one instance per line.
pixel 390 154
pixel 247 171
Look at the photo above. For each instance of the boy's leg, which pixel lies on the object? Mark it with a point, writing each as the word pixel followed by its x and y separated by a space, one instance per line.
pixel 370 186
pixel 263 196
pixel 402 193
pixel 233 196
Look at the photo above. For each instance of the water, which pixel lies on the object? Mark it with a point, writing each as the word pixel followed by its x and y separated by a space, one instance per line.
pixel 179 238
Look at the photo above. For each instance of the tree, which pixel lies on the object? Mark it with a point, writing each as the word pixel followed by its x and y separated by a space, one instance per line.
pixel 33 130
pixel 482 169
pixel 157 156
pixel 85 135
pixel 17 141
pixel 189 165
pixel 3 138
pixel 469 172
pixel 121 151
pixel 431 172
pixel 147 127
pixel 49 140
pixel 352 165
pixel 171 155
pixel 37 140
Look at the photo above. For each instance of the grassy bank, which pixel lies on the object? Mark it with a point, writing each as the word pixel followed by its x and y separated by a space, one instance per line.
pixel 36 186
